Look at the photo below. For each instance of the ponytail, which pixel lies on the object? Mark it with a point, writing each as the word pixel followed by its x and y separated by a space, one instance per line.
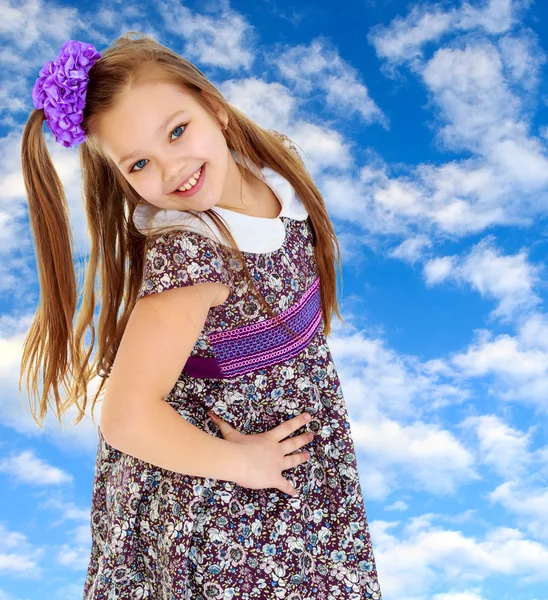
pixel 49 342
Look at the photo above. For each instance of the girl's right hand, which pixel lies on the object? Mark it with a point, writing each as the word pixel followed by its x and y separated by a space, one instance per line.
pixel 268 454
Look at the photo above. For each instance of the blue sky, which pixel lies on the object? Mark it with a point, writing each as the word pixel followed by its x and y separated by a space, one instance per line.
pixel 425 127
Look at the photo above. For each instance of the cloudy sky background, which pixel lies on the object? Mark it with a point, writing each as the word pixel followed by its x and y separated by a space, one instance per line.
pixel 425 127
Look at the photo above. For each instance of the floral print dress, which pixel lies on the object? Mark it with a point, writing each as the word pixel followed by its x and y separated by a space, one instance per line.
pixel 165 535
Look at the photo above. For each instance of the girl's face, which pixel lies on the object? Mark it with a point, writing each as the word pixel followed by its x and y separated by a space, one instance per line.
pixel 165 148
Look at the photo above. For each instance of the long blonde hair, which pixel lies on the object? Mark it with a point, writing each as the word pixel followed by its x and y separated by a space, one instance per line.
pixel 117 246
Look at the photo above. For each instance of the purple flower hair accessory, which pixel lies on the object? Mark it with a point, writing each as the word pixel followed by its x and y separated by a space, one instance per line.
pixel 61 91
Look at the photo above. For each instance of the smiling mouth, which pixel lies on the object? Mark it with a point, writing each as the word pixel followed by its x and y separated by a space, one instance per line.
pixel 195 189
pixel 187 181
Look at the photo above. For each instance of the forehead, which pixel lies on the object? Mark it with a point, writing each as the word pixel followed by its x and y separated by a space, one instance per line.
pixel 134 122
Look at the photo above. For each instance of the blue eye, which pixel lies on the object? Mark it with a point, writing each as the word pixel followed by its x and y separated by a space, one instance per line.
pixel 143 160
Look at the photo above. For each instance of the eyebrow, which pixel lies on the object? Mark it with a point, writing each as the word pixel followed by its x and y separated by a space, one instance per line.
pixel 162 126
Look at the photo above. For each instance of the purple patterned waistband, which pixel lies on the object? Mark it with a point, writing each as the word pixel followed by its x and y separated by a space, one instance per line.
pixel 261 344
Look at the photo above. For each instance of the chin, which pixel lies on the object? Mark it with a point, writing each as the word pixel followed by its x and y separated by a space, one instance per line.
pixel 202 204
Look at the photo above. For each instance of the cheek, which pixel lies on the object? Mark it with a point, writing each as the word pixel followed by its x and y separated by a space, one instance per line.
pixel 208 146
pixel 148 182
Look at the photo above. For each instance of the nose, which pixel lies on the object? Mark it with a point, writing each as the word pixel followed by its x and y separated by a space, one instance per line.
pixel 173 171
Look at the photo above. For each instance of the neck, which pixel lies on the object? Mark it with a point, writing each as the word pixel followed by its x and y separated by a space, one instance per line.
pixel 241 194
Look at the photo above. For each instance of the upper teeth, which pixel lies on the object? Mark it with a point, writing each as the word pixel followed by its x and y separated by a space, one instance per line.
pixel 192 181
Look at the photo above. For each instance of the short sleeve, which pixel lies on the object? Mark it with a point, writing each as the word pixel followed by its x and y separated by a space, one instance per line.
pixel 181 258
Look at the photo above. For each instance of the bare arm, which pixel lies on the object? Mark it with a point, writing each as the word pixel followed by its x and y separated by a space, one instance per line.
pixel 135 419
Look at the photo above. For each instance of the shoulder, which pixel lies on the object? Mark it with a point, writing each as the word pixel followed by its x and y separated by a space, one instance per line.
pixel 189 243
pixel 180 258
pixel 184 249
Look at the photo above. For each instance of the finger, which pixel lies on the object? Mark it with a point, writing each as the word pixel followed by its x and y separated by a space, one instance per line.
pixel 287 488
pixel 292 460
pixel 294 443
pixel 216 417
pixel 221 423
pixel 298 458
pixel 288 427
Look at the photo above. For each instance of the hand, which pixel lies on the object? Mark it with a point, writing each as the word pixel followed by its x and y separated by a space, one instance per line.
pixel 267 455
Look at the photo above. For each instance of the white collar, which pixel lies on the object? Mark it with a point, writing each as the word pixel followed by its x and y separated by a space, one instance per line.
pixel 252 234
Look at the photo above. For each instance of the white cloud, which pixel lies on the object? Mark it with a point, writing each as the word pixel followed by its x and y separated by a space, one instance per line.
pixel 510 279
pixel 351 206
pixel 34 32
pixel 504 448
pixel 27 468
pixel 470 89
pixel 73 557
pixel 273 106
pixel 318 66
pixel 352 247
pixel 392 398
pixel 33 23
pixel 411 249
pixel 422 555
pixel 17 555
pixel 501 354
pixel 529 503
pixel 399 385
pixel 68 511
pixel 15 235
pixel 518 373
pixel 17 415
pixel 224 40
pixel 270 104
pixel 403 39
pixel 425 456
pixel 386 394
pixel 323 147
pixel 495 16
pixel 398 505
pixel 438 269
pixel 523 58
pixel 13 210
pixel 399 196
pixel 472 84
pixel 533 332
pixel 468 595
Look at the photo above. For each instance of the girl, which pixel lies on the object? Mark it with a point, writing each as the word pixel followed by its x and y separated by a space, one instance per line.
pixel 216 245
